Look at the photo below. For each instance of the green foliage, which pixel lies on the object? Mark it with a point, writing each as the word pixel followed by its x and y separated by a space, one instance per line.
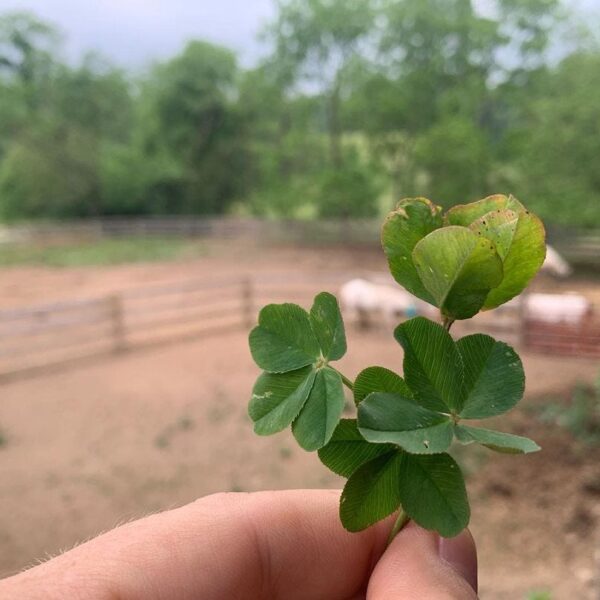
pixel 190 115
pixel 315 42
pixel 494 440
pixel 403 228
pixel 395 452
pixel 517 235
pixel 580 415
pixel 459 173
pixel 49 174
pixel 356 102
pixel 556 151
pixel 391 418
pixel 459 268
pixel 539 595
pixel 478 257
pixel 294 349
pixel 349 191
pixel 102 252
pixel 348 450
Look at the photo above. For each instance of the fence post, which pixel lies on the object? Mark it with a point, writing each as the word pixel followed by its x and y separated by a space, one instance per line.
pixel 522 321
pixel 115 303
pixel 247 302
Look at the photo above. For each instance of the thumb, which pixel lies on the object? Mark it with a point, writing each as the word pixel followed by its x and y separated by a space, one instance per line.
pixel 421 564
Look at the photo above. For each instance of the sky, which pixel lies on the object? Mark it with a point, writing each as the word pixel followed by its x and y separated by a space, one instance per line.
pixel 133 33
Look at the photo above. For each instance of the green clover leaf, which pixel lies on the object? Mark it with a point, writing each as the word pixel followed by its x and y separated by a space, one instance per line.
pixel 433 368
pixel 495 440
pixel 494 380
pixel 321 413
pixel 518 235
pixel 277 399
pixel 348 450
pixel 404 227
pixel 394 453
pixel 379 379
pixel 433 493
pixel 283 340
pixel 474 378
pixel 298 387
pixel 477 257
pixel 465 214
pixel 430 489
pixel 459 269
pixel 372 492
pixel 390 418
pixel 328 326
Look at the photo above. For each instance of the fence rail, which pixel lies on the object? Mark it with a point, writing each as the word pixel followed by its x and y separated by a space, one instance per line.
pixel 580 246
pixel 49 335
pixel 44 336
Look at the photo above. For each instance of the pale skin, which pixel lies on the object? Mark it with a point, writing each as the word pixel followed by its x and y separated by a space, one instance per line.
pixel 266 545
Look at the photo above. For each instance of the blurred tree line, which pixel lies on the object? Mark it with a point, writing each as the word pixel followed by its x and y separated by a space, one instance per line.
pixel 358 103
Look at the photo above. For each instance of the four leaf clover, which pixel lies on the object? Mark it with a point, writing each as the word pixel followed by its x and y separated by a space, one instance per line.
pixel 404 427
pixel 298 386
pixel 476 257
pixel 395 452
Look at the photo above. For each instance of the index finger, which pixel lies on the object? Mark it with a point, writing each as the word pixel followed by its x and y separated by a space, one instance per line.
pixel 287 544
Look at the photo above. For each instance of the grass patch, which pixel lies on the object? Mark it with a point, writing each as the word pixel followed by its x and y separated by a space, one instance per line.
pixel 539 595
pixel 579 413
pixel 110 251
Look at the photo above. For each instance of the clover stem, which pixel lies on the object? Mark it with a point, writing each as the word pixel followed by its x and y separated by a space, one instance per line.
pixel 401 521
pixel 345 380
pixel 447 322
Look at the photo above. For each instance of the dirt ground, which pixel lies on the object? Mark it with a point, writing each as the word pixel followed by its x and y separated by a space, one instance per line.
pixel 89 447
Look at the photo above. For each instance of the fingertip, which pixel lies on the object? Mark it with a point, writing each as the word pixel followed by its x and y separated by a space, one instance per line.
pixel 461 554
pixel 420 564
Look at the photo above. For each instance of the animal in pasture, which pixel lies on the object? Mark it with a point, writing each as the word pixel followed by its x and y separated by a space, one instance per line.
pixel 363 300
pixel 570 308
pixel 555 264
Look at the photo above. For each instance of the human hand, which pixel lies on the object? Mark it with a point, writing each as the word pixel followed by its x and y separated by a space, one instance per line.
pixel 269 545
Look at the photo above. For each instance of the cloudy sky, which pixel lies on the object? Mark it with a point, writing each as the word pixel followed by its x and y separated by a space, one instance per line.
pixel 135 32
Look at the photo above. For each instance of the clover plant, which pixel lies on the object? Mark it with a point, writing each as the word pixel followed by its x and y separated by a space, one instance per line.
pixel 394 453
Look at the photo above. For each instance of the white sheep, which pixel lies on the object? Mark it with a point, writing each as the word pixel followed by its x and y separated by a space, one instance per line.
pixel 568 308
pixel 362 300
pixel 555 264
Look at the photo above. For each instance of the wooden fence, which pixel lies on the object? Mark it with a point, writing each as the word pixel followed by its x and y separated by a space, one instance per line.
pixel 322 231
pixel 578 246
pixel 45 336
pixel 48 335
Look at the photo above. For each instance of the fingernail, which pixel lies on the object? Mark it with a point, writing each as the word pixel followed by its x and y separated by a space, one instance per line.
pixel 460 553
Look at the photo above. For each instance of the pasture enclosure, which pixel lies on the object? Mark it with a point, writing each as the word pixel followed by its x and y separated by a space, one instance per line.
pixel 53 334
pixel 577 245
pixel 49 335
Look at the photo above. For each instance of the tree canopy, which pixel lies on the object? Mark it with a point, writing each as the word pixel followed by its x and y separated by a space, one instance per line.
pixel 358 103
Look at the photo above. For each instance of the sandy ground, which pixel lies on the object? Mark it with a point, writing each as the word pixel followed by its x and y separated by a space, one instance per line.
pixel 89 447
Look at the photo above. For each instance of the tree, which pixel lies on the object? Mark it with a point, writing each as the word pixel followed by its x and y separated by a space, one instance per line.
pixel 439 47
pixel 349 191
pixel 455 158
pixel 43 175
pixel 27 50
pixel 286 148
pixel 316 40
pixel 559 147
pixel 189 112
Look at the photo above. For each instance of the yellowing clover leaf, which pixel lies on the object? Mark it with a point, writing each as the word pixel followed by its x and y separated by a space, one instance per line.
pixel 476 257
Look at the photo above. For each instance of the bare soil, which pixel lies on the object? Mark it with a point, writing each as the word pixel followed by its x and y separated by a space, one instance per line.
pixel 87 448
